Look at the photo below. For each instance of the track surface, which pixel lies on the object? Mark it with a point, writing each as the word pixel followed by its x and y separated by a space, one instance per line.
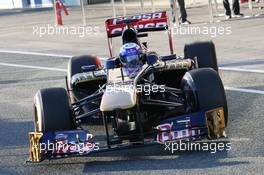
pixel 18 84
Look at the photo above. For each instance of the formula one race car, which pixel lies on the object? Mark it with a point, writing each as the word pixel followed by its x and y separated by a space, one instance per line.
pixel 139 97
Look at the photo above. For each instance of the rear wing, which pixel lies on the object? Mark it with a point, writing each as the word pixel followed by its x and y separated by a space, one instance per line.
pixel 157 21
pixel 146 22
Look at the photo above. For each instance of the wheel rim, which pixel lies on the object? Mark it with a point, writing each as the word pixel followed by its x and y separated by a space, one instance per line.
pixel 36 119
pixel 37 115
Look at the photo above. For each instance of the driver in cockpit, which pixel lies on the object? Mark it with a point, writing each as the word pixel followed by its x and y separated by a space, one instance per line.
pixel 131 59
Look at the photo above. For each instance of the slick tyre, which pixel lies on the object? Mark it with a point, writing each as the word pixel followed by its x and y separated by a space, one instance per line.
pixel 207 89
pixel 204 52
pixel 74 67
pixel 52 110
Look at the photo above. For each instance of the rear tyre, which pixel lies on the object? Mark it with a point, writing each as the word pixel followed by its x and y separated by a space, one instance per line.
pixel 204 52
pixel 52 110
pixel 207 88
pixel 74 67
pixel 76 63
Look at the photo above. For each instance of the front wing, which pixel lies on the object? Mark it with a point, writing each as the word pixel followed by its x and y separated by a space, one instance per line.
pixel 189 127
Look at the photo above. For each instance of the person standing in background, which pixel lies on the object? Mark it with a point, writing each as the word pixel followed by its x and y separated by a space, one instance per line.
pixel 236 9
pixel 183 12
pixel 183 18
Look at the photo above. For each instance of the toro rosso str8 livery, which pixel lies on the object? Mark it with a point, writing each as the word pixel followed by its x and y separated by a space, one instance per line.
pixel 138 96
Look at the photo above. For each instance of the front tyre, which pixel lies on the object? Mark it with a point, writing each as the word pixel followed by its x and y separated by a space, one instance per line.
pixel 52 110
pixel 208 90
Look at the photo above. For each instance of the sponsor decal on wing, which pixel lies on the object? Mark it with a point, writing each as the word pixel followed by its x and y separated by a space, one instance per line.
pixel 166 134
pixel 146 21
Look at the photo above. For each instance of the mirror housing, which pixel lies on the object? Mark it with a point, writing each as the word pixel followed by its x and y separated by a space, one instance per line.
pixel 110 64
pixel 88 68
pixel 113 63
pixel 151 58
pixel 168 57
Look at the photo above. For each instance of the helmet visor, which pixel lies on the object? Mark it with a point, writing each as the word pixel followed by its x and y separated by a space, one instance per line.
pixel 131 61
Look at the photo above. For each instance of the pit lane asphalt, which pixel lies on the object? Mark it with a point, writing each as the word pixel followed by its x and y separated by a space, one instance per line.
pixel 18 86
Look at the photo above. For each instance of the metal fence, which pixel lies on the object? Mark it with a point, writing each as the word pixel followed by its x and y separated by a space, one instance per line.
pixel 213 12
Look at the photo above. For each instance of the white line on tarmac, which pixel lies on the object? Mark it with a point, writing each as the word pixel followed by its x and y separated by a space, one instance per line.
pixel 252 91
pixel 35 53
pixel 241 70
pixel 33 67
pixel 239 139
pixel 69 56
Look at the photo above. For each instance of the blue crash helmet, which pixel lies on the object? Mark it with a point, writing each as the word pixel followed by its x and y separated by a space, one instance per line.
pixel 130 58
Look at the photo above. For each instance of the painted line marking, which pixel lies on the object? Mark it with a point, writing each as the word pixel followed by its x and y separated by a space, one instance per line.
pixel 241 70
pixel 239 139
pixel 252 91
pixel 70 56
pixel 33 67
pixel 35 53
